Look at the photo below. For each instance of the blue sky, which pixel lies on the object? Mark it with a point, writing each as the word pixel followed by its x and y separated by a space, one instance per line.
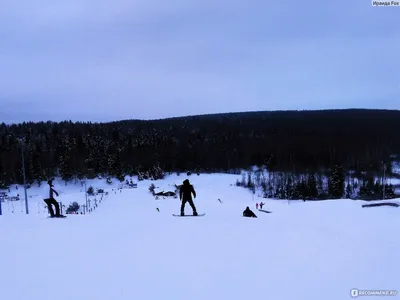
pixel 102 60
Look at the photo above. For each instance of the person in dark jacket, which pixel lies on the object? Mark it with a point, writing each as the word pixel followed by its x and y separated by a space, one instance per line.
pixel 51 201
pixel 185 194
pixel 248 213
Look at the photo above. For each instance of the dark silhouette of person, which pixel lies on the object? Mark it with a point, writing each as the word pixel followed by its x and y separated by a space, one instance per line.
pixel 248 213
pixel 185 194
pixel 51 201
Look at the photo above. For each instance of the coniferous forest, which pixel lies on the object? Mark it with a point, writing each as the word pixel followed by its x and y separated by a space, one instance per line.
pixel 295 142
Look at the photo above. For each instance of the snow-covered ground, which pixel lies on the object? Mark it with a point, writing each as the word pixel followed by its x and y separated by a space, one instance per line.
pixel 127 249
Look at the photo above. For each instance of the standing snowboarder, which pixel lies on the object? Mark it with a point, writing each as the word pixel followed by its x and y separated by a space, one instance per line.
pixel 185 194
pixel 51 201
pixel 261 205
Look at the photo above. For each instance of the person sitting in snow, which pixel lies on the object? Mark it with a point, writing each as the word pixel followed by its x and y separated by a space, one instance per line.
pixel 248 213
pixel 185 194
pixel 51 201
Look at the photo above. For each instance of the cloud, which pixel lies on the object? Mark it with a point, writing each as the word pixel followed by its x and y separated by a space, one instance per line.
pixel 147 59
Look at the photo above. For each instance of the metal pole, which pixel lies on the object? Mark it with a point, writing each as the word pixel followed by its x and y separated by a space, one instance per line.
pixel 23 170
pixel 384 181
pixel 86 193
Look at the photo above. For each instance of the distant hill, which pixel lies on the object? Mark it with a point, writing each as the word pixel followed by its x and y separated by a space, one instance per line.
pixel 359 139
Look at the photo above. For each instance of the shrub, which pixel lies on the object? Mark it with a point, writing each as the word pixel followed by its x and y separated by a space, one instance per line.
pixel 90 190
pixel 73 208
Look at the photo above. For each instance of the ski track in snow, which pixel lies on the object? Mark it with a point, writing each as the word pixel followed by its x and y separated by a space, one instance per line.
pixel 126 249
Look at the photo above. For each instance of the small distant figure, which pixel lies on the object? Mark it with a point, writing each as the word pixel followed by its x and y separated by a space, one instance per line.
pixel 261 205
pixel 51 201
pixel 256 205
pixel 185 194
pixel 248 213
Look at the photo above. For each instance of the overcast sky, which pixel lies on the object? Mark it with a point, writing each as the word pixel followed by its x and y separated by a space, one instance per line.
pixel 102 60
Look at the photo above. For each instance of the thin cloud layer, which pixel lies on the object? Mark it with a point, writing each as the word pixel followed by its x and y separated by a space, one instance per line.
pixel 107 60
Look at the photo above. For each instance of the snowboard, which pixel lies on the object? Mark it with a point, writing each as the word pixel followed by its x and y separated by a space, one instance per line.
pixel 266 211
pixel 60 217
pixel 199 215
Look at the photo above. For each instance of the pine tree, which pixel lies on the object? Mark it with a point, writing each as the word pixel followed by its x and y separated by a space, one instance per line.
pixel 243 182
pixel 64 150
pixel 389 191
pixel 336 183
pixel 349 191
pixel 249 183
pixel 289 186
pixel 312 191
pixel 320 184
pixel 280 187
pixel 264 187
pixel 363 189
pixel 299 190
pixel 371 185
pixel 378 189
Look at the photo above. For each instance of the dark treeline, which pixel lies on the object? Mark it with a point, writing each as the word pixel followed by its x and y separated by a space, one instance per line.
pixel 317 186
pixel 293 141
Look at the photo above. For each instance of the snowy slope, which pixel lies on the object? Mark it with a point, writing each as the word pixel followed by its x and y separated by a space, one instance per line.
pixel 126 249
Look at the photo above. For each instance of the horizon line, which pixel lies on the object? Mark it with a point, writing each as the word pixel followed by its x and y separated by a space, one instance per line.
pixel 202 115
